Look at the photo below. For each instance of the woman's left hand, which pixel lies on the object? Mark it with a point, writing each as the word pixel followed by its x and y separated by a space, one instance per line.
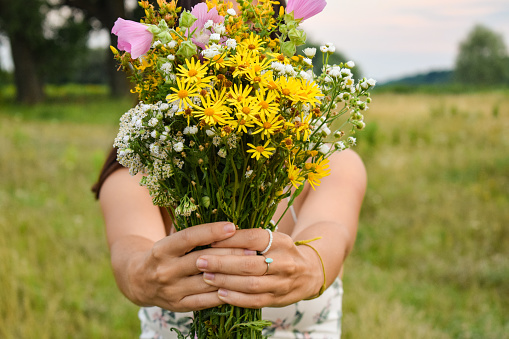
pixel 295 272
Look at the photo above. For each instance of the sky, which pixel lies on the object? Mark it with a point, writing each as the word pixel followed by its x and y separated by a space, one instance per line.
pixel 389 39
pixel 393 38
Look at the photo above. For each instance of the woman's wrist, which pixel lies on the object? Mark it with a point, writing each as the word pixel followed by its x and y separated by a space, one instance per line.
pixel 314 278
pixel 129 261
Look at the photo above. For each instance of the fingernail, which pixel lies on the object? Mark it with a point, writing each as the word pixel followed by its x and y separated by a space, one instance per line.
pixel 201 263
pixel 249 252
pixel 209 276
pixel 222 293
pixel 229 228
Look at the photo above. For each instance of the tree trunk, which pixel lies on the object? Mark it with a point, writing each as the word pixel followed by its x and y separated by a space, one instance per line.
pixel 29 87
pixel 117 79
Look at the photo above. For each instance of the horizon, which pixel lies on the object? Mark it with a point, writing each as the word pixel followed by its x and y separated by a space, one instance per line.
pixel 392 40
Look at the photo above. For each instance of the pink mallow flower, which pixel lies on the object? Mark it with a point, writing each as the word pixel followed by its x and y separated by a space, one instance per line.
pixel 305 9
pixel 201 12
pixel 133 37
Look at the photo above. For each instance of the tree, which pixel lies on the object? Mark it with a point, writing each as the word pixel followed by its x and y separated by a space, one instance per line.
pixel 106 13
pixel 482 58
pixel 40 48
pixel 22 23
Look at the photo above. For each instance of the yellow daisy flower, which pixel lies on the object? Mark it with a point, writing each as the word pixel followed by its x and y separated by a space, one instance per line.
pixel 253 43
pixel 289 88
pixel 268 125
pixel 183 93
pixel 242 61
pixel 242 123
pixel 238 94
pixel 266 102
pixel 260 150
pixel 318 171
pixel 294 175
pixel 302 127
pixel 247 107
pixel 213 110
pixel 309 92
pixel 193 72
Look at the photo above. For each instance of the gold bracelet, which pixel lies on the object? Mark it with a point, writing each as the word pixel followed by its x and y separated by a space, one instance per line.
pixel 324 286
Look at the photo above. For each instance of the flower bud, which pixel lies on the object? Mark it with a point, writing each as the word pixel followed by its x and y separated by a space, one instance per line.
pixel 309 52
pixel 288 48
pixel 114 50
pixel 186 19
pixel 205 201
pixel 187 49
pixel 297 36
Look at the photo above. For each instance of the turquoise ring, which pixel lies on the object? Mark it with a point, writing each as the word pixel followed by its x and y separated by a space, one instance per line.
pixel 268 261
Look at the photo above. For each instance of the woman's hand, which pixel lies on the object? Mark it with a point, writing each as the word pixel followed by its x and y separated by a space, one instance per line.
pixel 166 275
pixel 295 273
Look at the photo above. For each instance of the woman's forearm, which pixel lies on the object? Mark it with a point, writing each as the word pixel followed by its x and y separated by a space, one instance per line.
pixel 127 257
pixel 333 246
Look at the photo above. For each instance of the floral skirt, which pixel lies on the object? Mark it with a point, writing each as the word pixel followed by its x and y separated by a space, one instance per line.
pixel 319 318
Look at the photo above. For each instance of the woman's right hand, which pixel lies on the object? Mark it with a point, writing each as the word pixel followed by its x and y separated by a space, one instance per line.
pixel 167 276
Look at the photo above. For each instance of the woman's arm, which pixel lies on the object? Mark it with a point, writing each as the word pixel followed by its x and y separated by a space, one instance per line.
pixel 330 212
pixel 152 269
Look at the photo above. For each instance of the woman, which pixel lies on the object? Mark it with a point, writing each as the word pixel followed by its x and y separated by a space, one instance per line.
pixel 154 268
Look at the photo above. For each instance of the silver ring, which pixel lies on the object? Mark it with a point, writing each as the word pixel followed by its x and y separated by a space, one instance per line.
pixel 270 242
pixel 268 261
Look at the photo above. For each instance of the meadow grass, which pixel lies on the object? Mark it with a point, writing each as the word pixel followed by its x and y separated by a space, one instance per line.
pixel 430 259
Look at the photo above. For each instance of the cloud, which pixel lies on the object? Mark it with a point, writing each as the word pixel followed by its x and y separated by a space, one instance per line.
pixel 424 34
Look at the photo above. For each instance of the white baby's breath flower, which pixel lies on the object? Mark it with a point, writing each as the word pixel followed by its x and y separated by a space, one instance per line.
pixel 152 122
pixel 339 145
pixel 310 52
pixel 289 70
pixel 216 140
pixel 178 147
pixel 231 12
pixel 308 61
pixel 324 148
pixel 222 153
pixel 167 67
pixel 153 134
pixel 331 49
pixel 231 43
pixel 351 140
pixel 210 132
pixel 193 129
pixel 209 53
pixel 208 24
pixel 172 44
pixel 171 57
pixel 350 64
pixel 324 49
pixel 219 28
pixel 156 43
pixel 305 75
pixel 214 37
pixel 249 173
pixel 186 130
pixel 335 73
pixel 277 66
pixel 371 82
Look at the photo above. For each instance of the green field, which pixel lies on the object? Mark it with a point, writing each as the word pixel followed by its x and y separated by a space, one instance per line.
pixel 431 258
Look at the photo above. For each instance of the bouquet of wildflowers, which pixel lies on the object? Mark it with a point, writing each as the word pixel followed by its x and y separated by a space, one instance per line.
pixel 230 118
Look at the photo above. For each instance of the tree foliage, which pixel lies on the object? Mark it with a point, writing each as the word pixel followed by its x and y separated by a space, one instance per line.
pixel 482 58
pixel 41 49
